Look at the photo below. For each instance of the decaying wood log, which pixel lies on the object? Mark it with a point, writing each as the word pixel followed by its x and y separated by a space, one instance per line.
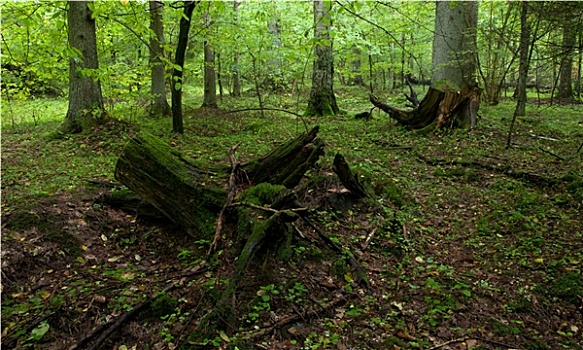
pixel 348 179
pixel 442 107
pixel 192 196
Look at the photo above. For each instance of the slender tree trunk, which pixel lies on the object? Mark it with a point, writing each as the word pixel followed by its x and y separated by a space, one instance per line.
pixel 85 99
pixel 356 75
pixel 565 83
pixel 322 100
pixel 579 67
pixel 177 119
pixel 275 74
pixel 159 106
pixel 210 83
pixel 522 70
pixel 236 69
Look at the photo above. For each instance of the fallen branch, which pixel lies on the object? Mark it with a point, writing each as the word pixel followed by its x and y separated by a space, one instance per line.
pixel 292 318
pixel 272 109
pixel 368 238
pixel 551 153
pixel 107 329
pixel 543 137
pixel 453 341
pixel 235 166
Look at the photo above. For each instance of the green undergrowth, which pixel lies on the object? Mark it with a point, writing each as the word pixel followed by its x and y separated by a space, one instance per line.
pixel 459 247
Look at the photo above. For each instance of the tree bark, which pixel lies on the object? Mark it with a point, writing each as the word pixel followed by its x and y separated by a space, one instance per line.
pixel 191 196
pixel 236 69
pixel 565 82
pixel 159 106
pixel 177 119
pixel 86 108
pixel 322 100
pixel 454 42
pixel 210 84
pixel 454 97
pixel 523 61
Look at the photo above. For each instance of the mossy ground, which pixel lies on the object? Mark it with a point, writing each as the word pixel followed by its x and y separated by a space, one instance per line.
pixel 457 252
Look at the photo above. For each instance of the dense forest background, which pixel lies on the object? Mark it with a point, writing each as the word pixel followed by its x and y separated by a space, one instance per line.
pixel 292 174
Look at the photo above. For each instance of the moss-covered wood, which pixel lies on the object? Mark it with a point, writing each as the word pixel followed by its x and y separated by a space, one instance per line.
pixel 171 183
pixel 443 106
pixel 192 197
pixel 287 164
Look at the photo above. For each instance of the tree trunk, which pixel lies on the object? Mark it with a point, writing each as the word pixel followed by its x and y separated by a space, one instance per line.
pixel 210 84
pixel 236 70
pixel 565 83
pixel 191 196
pixel 322 101
pixel 85 99
pixel 356 75
pixel 177 119
pixel 454 97
pixel 274 79
pixel 159 106
pixel 523 62
pixel 454 42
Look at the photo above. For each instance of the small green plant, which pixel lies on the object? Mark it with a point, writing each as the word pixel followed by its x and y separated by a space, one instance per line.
pixel 295 293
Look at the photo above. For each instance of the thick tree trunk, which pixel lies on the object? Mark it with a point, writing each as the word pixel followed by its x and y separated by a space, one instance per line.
pixel 177 119
pixel 565 82
pixel 159 106
pixel 322 100
pixel 85 99
pixel 210 84
pixel 454 42
pixel 191 196
pixel 454 97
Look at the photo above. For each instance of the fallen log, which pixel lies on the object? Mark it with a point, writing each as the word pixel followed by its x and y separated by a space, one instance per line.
pixel 192 196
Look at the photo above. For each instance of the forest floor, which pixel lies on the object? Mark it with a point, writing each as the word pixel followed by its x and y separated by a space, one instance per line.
pixel 469 245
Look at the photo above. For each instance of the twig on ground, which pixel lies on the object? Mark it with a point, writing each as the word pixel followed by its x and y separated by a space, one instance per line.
pixel 292 318
pixel 453 341
pixel 368 238
pixel 551 153
pixel 272 109
pixel 543 137
pixel 230 196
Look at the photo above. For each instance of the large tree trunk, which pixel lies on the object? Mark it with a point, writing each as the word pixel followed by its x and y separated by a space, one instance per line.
pixel 454 42
pixel 454 97
pixel 85 99
pixel 177 119
pixel 210 84
pixel 191 196
pixel 159 106
pixel 565 82
pixel 322 101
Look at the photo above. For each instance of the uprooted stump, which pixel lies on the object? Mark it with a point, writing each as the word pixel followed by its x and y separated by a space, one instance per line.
pixel 443 106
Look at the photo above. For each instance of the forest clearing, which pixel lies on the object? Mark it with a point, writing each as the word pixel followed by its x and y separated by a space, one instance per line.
pixel 366 209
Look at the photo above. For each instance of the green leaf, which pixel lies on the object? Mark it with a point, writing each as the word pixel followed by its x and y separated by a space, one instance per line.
pixel 40 330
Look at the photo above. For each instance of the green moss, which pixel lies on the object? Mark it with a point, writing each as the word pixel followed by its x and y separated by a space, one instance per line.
pixel 263 193
pixel 163 305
